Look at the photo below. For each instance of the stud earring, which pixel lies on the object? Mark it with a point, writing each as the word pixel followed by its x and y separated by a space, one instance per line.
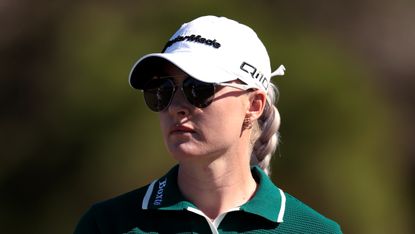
pixel 247 124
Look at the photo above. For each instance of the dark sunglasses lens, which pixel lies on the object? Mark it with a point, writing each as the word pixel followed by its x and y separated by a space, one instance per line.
pixel 198 93
pixel 158 94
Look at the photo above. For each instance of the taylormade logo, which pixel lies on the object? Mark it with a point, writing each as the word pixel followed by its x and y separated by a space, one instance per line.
pixel 255 73
pixel 160 192
pixel 193 38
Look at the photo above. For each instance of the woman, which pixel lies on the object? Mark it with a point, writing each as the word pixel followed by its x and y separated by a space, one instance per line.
pixel 212 91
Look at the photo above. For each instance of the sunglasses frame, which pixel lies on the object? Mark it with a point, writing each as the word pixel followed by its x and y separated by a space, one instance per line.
pixel 194 103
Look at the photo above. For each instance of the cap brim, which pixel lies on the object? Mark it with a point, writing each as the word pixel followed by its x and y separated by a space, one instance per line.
pixel 198 66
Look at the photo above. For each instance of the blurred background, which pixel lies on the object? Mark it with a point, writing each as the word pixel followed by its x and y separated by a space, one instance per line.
pixel 72 131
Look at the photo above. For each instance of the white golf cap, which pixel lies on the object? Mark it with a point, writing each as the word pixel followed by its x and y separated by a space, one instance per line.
pixel 214 50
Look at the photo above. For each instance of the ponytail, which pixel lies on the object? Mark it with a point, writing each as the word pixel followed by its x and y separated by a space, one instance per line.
pixel 266 136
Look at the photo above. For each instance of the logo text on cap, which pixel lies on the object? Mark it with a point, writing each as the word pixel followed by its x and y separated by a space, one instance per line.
pixel 193 38
pixel 255 73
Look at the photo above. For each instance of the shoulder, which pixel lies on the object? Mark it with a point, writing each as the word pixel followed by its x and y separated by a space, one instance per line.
pixel 123 202
pixel 108 214
pixel 303 218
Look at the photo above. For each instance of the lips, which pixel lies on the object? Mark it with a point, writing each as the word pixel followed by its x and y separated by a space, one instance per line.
pixel 180 129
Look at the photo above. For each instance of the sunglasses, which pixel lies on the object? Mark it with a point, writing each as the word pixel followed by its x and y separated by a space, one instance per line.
pixel 159 92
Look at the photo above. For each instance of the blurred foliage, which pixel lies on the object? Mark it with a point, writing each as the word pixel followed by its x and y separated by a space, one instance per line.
pixel 73 132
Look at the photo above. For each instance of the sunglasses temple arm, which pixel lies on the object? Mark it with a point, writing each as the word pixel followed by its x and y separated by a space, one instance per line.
pixel 233 85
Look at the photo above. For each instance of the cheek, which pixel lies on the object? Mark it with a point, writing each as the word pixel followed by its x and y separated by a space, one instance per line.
pixel 226 120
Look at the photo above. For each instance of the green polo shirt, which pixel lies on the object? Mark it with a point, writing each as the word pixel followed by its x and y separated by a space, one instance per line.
pixel 161 208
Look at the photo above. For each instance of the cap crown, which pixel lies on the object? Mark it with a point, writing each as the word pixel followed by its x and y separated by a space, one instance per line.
pixel 230 46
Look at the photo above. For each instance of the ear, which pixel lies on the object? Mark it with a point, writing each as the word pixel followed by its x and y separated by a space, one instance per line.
pixel 257 102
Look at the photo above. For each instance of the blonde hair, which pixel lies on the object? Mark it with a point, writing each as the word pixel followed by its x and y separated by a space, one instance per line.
pixel 265 133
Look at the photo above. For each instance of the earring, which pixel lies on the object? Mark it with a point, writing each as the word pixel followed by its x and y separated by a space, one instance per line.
pixel 247 124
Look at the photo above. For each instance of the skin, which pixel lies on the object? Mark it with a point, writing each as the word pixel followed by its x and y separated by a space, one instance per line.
pixel 212 146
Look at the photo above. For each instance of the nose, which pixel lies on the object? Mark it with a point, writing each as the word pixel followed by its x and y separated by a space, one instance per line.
pixel 179 105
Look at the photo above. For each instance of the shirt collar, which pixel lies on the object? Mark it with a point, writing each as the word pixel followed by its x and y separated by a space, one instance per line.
pixel 164 193
pixel 268 201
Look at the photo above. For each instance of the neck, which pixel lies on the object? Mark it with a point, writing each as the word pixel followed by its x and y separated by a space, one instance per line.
pixel 217 186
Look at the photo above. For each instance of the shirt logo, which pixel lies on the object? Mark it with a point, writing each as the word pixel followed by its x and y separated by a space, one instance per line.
pixel 193 38
pixel 160 193
pixel 255 74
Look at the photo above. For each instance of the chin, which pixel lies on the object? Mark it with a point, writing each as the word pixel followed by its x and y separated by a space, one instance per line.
pixel 180 154
pixel 185 151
